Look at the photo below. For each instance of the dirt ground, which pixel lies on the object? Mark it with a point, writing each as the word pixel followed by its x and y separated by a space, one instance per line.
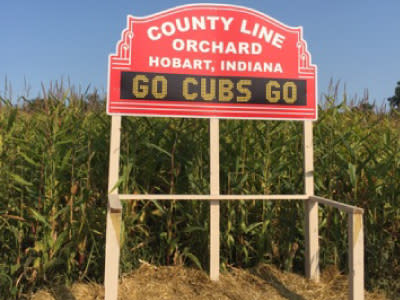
pixel 180 283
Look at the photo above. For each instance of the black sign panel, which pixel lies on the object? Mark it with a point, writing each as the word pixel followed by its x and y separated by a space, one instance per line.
pixel 218 89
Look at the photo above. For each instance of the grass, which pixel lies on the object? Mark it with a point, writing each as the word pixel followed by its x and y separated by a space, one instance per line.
pixel 150 282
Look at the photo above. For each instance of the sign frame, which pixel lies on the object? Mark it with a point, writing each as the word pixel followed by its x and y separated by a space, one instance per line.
pixel 114 207
pixel 125 60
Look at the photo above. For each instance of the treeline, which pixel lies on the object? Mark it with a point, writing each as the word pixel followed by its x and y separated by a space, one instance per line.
pixel 53 190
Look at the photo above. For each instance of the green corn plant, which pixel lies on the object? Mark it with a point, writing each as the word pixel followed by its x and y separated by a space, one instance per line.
pixel 53 189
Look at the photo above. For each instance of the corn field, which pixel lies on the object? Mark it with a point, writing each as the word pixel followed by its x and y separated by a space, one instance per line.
pixel 53 190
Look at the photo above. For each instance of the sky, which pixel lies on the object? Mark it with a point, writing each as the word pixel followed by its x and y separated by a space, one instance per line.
pixel 354 42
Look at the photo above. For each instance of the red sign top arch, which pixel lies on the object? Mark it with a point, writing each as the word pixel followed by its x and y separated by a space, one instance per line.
pixel 209 60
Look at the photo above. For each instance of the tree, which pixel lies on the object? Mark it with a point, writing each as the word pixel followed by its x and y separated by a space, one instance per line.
pixel 395 100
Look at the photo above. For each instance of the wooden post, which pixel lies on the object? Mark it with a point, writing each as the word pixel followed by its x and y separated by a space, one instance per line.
pixel 311 209
pixel 113 227
pixel 356 256
pixel 214 204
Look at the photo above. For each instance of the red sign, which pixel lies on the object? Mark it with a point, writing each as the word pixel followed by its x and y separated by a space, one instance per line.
pixel 208 60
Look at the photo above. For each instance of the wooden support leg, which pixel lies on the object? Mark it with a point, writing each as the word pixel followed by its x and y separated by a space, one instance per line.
pixel 214 204
pixel 311 209
pixel 114 213
pixel 113 231
pixel 214 240
pixel 356 256
pixel 312 243
pixel 112 255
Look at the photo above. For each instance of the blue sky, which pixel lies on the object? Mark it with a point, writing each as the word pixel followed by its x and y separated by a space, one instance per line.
pixel 354 41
